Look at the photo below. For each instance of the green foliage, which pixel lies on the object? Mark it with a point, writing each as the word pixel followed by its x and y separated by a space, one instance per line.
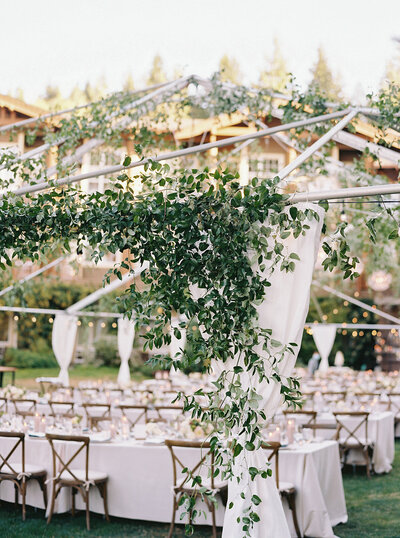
pixel 106 353
pixel 24 358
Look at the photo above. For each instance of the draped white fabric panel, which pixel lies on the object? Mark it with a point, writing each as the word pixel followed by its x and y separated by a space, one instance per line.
pixel 324 338
pixel 63 343
pixel 284 311
pixel 126 335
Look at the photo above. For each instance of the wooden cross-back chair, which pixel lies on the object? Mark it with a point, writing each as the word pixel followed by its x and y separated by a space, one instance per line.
pixel 332 394
pixel 63 409
pixel 308 416
pixel 184 486
pixel 20 473
pixel 353 437
pixel 24 406
pixel 79 480
pixel 95 418
pixel 317 426
pixel 169 411
pixel 142 409
pixel 286 489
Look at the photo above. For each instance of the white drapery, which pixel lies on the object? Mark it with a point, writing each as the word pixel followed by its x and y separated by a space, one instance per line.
pixel 284 311
pixel 324 338
pixel 339 359
pixel 126 335
pixel 63 342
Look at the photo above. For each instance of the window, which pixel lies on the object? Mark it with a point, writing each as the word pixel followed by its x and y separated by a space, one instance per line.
pixel 265 166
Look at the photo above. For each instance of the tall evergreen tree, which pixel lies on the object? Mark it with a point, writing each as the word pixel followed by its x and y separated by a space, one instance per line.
pixel 323 78
pixel 157 74
pixel 230 69
pixel 276 75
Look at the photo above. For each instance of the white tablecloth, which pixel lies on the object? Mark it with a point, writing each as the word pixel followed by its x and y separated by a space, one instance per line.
pixel 140 480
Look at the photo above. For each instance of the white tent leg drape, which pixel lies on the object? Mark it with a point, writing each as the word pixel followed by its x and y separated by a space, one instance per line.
pixel 324 338
pixel 63 342
pixel 126 335
pixel 284 311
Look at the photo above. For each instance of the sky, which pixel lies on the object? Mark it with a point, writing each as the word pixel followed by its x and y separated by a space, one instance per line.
pixel 70 42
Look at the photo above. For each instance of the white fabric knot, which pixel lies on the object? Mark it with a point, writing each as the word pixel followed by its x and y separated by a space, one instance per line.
pixel 23 475
pixel 87 484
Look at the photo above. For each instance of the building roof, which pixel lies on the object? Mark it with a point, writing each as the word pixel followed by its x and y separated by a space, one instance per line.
pixel 20 106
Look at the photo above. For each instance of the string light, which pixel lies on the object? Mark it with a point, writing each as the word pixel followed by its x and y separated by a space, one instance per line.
pixel 102 324
pixel 324 317
pixel 335 311
pixel 16 318
pixel 354 334
pixel 357 294
pixel 374 333
pixel 315 322
pixel 354 320
pixel 344 332
pixel 114 325
pixel 346 303
pixel 344 324
pixel 90 323
pixel 79 323
pixel 374 306
pixel 393 331
pixel 148 328
pixel 33 319
pixel 51 320
pixel 194 328
pixel 365 314
pixel 379 333
pixel 361 333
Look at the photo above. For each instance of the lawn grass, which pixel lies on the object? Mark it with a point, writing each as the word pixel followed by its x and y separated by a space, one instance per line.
pixel 25 377
pixel 372 505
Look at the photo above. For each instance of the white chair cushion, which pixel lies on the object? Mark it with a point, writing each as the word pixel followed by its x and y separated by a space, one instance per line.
pixel 81 475
pixel 29 468
pixel 283 486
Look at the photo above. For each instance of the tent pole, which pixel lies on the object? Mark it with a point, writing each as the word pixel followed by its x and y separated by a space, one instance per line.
pixel 350 299
pixel 180 153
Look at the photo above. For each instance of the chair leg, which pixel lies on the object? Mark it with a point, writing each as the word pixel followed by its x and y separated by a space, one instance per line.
pixel 292 505
pixel 53 499
pixel 16 491
pixel 174 506
pixel 43 487
pixel 23 495
pixel 73 493
pixel 87 511
pixel 214 526
pixel 367 463
pixel 102 487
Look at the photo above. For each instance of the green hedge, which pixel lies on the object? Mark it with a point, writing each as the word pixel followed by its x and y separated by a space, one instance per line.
pixel 24 358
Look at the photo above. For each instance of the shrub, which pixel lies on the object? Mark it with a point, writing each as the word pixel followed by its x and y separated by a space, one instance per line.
pixel 106 351
pixel 24 358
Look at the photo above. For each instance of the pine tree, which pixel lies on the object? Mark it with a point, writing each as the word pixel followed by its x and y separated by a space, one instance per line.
pixel 276 76
pixel 392 72
pixel 230 70
pixel 157 74
pixel 323 79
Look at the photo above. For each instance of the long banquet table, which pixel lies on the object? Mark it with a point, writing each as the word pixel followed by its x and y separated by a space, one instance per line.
pixel 140 480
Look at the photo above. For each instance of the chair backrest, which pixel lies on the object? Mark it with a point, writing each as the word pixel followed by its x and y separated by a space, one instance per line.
pixel 302 416
pixel 88 407
pixel 61 408
pixel 169 411
pixel 177 464
pixel 354 429
pixel 315 427
pixel 5 465
pixel 273 454
pixel 29 404
pixel 142 413
pixel 334 394
pixel 64 466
